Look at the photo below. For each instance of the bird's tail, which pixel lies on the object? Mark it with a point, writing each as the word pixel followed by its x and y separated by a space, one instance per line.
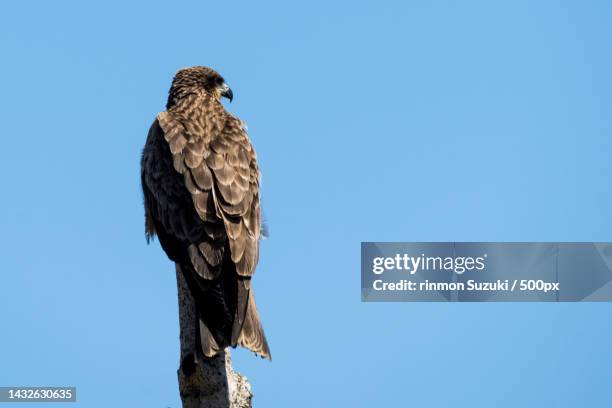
pixel 252 335
pixel 247 332
pixel 233 323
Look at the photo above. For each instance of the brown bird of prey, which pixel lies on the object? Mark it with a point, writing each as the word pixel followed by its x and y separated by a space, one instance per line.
pixel 201 195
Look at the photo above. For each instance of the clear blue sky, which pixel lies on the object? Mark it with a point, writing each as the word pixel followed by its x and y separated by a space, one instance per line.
pixel 407 121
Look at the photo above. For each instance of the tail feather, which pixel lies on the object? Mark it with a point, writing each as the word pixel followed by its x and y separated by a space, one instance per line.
pixel 210 347
pixel 252 335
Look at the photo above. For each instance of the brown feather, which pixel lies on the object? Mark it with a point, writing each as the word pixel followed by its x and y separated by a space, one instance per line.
pixel 192 158
pixel 202 177
pixel 252 335
pixel 212 253
pixel 225 174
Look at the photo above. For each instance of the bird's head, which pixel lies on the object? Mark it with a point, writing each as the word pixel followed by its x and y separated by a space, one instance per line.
pixel 200 78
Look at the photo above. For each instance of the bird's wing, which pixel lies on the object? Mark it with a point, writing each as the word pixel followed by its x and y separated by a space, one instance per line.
pixel 219 170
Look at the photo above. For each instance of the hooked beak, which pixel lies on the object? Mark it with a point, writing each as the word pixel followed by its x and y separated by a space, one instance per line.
pixel 227 92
